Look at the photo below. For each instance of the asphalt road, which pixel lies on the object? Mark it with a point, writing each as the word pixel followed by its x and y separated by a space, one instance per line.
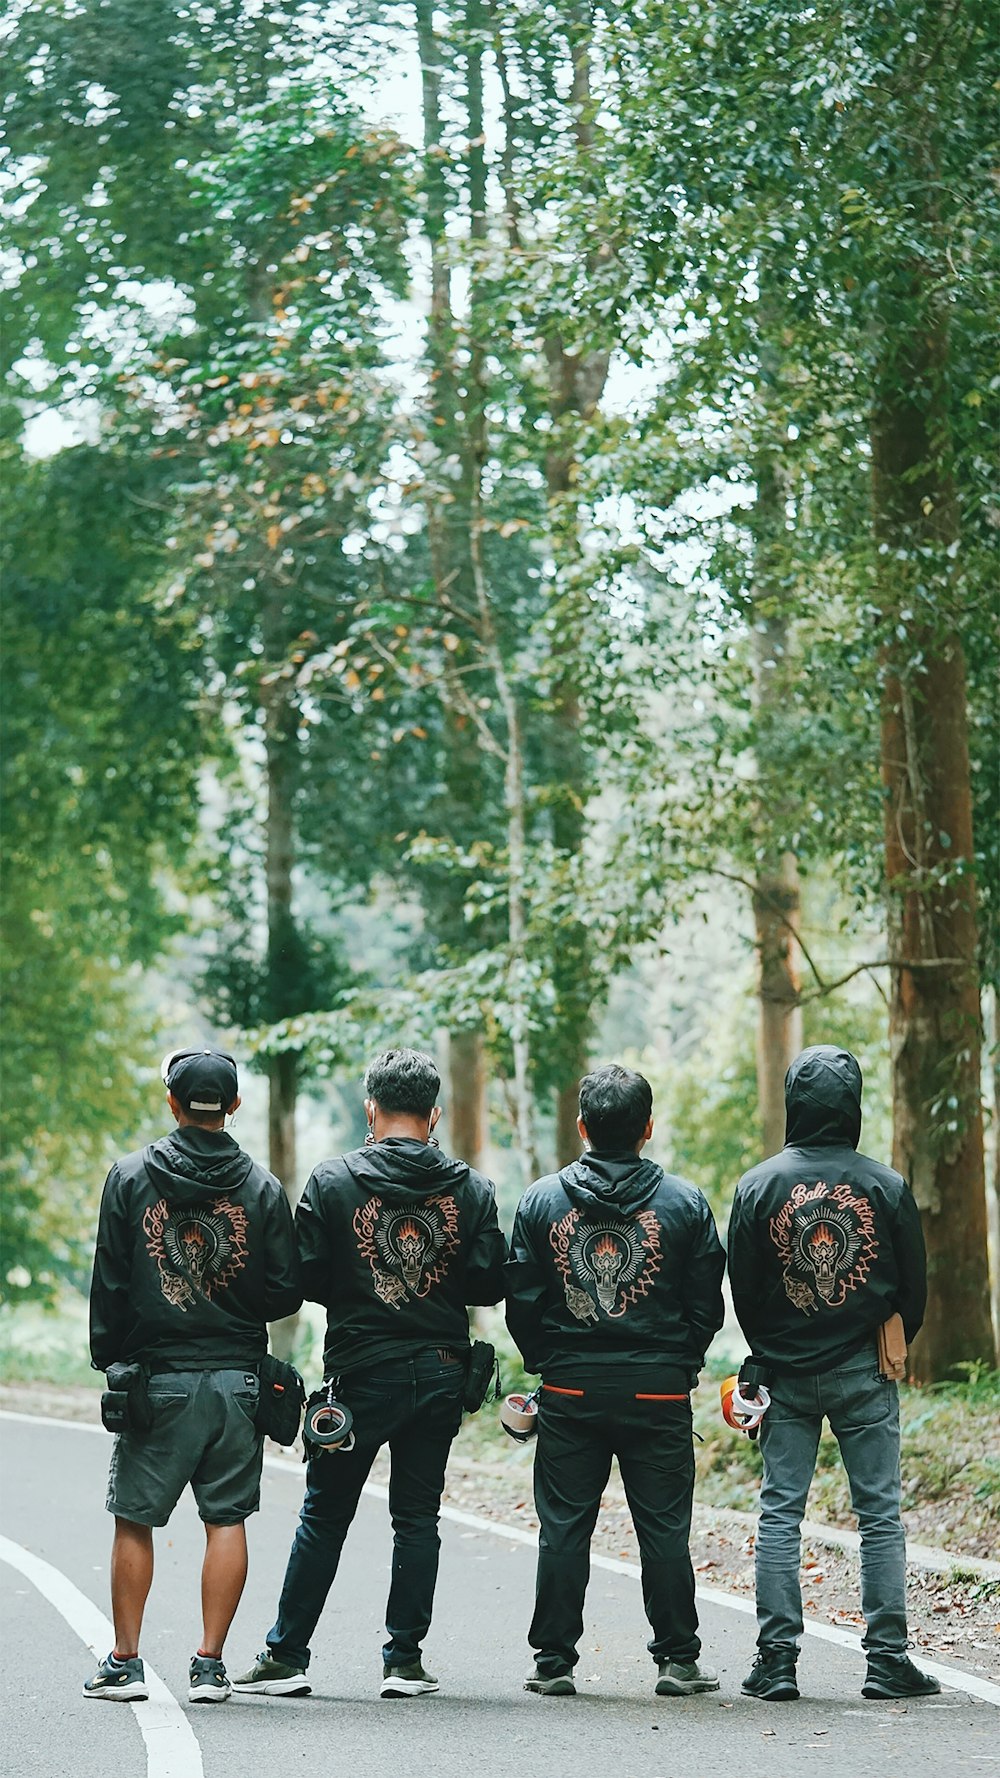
pixel 480 1725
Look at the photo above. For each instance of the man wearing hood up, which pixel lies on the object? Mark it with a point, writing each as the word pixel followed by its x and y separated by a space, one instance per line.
pixel 824 1246
pixel 613 1296
pixel 195 1255
pixel 396 1240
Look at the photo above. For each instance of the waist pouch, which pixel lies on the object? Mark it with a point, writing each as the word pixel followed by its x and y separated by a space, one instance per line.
pixel 482 1374
pixel 282 1398
pixel 125 1403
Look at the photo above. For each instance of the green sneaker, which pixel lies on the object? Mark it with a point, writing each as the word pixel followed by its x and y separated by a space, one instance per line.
pixel 118 1679
pixel 682 1679
pixel 551 1685
pixel 407 1682
pixel 273 1677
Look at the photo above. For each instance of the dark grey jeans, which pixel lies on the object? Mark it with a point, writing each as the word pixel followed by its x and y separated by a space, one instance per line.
pixel 863 1412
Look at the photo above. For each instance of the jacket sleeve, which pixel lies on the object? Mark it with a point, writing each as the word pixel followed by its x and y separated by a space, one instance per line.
pixel 911 1265
pixel 701 1292
pixel 484 1265
pixel 526 1288
pixel 313 1239
pixel 744 1269
pixel 283 1277
pixel 110 1316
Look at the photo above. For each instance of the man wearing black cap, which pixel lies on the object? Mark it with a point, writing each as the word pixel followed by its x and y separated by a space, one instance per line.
pixel 195 1254
pixel 824 1247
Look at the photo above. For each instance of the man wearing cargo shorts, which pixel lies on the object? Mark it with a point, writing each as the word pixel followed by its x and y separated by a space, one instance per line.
pixel 195 1254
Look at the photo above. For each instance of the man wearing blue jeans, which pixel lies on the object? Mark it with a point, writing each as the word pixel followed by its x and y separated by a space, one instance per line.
pixel 396 1239
pixel 825 1245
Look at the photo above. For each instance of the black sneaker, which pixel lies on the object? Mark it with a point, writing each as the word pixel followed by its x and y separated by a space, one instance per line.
pixel 681 1679
pixel 551 1685
pixel 895 1676
pixel 407 1682
pixel 208 1681
pixel 118 1679
pixel 773 1676
pixel 273 1677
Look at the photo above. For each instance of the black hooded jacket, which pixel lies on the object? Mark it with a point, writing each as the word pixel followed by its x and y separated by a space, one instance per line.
pixel 824 1244
pixel 395 1240
pixel 195 1255
pixel 614 1263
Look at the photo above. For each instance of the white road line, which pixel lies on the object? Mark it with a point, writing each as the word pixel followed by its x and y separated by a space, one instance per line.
pixel 953 1677
pixel 171 1748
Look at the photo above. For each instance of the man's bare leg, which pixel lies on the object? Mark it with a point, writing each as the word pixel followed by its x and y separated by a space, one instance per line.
pixel 131 1579
pixel 223 1577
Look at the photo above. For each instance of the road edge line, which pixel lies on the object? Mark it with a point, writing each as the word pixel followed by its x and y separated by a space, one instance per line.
pixel 172 1748
pixel 984 1689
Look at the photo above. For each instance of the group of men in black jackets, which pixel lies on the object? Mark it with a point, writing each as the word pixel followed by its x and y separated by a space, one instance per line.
pixel 613 1286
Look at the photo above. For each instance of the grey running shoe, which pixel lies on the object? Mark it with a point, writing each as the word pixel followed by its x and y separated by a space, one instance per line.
pixel 407 1682
pixel 681 1680
pixel 772 1676
pixel 118 1679
pixel 208 1681
pixel 895 1676
pixel 273 1677
pixel 551 1685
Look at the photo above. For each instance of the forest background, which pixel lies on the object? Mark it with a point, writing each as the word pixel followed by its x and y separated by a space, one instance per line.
pixel 500 556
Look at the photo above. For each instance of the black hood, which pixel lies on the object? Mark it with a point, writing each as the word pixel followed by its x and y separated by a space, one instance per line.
pixel 601 1181
pixel 192 1163
pixel 823 1098
pixel 402 1167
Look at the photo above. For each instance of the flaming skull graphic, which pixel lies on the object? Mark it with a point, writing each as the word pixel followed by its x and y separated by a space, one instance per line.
pixel 411 1243
pixel 826 1241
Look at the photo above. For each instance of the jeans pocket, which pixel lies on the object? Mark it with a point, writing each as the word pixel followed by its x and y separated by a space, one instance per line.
pixel 866 1401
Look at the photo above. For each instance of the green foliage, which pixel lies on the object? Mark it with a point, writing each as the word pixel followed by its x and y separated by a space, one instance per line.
pixel 102 740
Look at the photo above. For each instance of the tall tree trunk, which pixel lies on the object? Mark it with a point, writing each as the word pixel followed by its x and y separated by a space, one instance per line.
pixel 468 1114
pixel 576 382
pixel 993 1159
pixel 776 906
pixel 776 897
pixel 280 723
pixel 455 434
pixel 934 1027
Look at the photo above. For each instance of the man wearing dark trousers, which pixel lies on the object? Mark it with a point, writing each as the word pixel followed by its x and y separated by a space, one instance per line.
pixel 396 1240
pixel 195 1254
pixel 613 1296
pixel 824 1246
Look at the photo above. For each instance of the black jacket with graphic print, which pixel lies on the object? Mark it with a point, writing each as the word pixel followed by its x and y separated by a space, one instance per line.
pixel 396 1240
pixel 614 1263
pixel 195 1255
pixel 824 1243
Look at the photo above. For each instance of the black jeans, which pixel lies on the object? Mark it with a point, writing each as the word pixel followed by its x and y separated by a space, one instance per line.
pixel 578 1434
pixel 414 1406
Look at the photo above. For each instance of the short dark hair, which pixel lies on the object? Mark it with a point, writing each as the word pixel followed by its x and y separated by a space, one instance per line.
pixel 403 1080
pixel 616 1104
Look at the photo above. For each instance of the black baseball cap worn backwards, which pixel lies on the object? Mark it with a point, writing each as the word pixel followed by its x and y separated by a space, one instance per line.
pixel 202 1080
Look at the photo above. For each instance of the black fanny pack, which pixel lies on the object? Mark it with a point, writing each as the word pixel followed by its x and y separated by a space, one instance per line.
pixel 282 1398
pixel 125 1403
pixel 481 1371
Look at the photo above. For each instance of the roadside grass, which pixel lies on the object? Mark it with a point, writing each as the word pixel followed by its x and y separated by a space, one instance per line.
pixel 950 1460
pixel 950 1445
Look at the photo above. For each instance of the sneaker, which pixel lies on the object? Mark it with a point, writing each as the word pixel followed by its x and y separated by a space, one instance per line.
pixel 772 1676
pixel 551 1685
pixel 208 1681
pixel 895 1676
pixel 407 1682
pixel 118 1679
pixel 269 1675
pixel 680 1679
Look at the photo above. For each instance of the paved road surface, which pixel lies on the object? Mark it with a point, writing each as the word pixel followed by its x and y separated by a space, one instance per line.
pixel 481 1725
